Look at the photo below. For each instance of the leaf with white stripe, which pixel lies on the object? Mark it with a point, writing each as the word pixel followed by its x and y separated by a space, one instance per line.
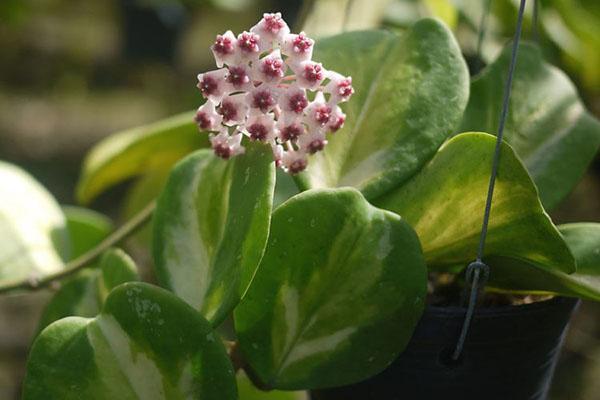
pixel 411 91
pixel 547 126
pixel 211 226
pixel 445 203
pixel 145 345
pixel 342 284
pixel 33 229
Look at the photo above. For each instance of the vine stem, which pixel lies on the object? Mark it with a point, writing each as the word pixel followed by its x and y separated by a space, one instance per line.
pixel 239 363
pixel 82 261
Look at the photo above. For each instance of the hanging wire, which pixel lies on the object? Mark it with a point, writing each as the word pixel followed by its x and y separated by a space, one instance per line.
pixel 535 20
pixel 478 272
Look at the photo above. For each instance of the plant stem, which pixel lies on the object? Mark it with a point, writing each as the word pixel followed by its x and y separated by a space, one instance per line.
pixel 82 261
pixel 239 363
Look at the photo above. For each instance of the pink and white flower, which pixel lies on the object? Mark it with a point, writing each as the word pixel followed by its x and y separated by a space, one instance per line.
pixel 271 29
pixel 234 109
pixel 298 48
pixel 239 77
pixel 339 87
pixel 268 89
pixel 336 120
pixel 225 145
pixel 294 161
pixel 248 44
pixel 207 117
pixel 263 97
pixel 225 48
pixel 271 68
pixel 212 84
pixel 260 127
pixel 309 74
pixel 294 100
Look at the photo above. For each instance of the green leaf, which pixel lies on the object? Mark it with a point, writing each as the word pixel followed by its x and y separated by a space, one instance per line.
pixel 446 200
pixel 211 227
pixel 146 344
pixel 144 190
pixel 547 126
pixel 84 294
pixel 584 241
pixel 337 295
pixel 136 151
pixel 86 228
pixel 247 391
pixel 33 232
pixel 410 93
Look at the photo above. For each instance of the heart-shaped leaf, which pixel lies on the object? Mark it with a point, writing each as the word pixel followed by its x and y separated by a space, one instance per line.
pixel 547 126
pixel 146 344
pixel 33 229
pixel 446 200
pixel 411 91
pixel 136 151
pixel 211 226
pixel 584 241
pixel 84 294
pixel 337 294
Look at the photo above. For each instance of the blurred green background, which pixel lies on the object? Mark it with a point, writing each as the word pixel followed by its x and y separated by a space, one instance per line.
pixel 72 72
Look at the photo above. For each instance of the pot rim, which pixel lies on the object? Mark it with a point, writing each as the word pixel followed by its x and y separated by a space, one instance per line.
pixel 537 306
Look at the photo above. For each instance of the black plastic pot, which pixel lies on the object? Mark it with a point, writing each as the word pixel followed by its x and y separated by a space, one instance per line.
pixel 510 354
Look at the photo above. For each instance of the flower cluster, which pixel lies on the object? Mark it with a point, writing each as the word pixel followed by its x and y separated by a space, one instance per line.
pixel 254 94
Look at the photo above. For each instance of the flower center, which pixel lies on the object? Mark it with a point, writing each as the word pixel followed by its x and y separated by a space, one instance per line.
pixel 339 122
pixel 273 23
pixel 223 45
pixel 248 42
pixel 258 131
pixel 208 86
pixel 222 150
pixel 237 76
pixel 322 114
pixel 298 103
pixel 291 132
pixel 315 146
pixel 203 120
pixel 297 166
pixel 313 73
pixel 302 44
pixel 228 110
pixel 345 88
pixel 263 100
pixel 273 67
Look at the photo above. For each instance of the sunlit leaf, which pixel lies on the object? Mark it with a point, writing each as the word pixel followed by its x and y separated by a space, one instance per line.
pixel 136 151
pixel 337 294
pixel 584 241
pixel 211 226
pixel 547 126
pixel 411 91
pixel 146 344
pixel 446 200
pixel 33 233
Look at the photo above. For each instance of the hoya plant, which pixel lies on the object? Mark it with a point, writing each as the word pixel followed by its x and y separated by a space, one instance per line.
pixel 314 275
